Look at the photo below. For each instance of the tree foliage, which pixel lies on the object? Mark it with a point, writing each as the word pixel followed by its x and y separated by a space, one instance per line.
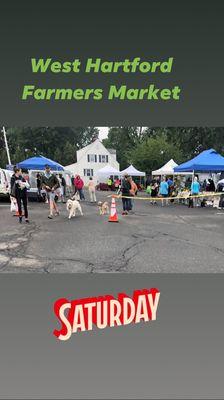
pixel 147 148
pixel 153 152
pixel 194 140
pixel 123 140
pixel 57 143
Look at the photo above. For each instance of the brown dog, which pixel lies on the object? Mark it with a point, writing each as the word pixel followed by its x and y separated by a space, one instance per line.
pixel 103 208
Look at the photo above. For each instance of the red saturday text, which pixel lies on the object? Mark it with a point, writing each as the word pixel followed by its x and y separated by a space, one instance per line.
pixel 105 311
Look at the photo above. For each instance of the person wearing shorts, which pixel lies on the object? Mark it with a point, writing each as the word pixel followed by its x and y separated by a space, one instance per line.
pixel 195 191
pixel 164 190
pixel 50 184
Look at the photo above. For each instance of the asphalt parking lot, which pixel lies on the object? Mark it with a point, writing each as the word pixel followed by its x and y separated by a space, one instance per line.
pixel 152 239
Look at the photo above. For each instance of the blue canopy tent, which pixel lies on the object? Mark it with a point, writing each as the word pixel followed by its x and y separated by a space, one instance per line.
pixel 39 162
pixel 207 161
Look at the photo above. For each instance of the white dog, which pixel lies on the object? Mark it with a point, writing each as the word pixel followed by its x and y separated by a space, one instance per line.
pixel 72 205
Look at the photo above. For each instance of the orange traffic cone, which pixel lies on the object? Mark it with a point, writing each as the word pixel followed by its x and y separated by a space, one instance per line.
pixel 113 212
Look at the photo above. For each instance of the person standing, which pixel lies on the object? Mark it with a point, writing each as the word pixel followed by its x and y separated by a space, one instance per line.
pixel 211 187
pixel 38 181
pixel 195 190
pixel 73 184
pixel 132 191
pixel 125 190
pixel 19 188
pixel 154 191
pixel 63 188
pixel 79 184
pixel 164 190
pixel 170 185
pixel 92 190
pixel 117 184
pixel 58 192
pixel 50 183
pixel 220 189
pixel 110 183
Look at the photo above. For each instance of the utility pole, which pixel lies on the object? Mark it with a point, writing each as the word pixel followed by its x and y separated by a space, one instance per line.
pixel 6 145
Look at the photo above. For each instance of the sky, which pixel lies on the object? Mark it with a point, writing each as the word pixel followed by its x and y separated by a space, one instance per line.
pixel 103 132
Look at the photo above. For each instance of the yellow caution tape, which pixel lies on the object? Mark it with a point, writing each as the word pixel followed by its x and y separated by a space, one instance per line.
pixel 211 194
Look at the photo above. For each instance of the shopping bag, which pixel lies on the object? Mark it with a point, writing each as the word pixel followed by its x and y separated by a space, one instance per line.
pixel 13 206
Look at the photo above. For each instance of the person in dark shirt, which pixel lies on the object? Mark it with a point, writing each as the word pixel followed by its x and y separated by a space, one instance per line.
pixel 19 188
pixel 211 187
pixel 63 188
pixel 50 183
pixel 125 190
pixel 38 180
pixel 220 189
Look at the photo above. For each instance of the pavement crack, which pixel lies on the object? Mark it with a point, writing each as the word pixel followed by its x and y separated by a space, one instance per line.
pixel 16 245
pixel 125 260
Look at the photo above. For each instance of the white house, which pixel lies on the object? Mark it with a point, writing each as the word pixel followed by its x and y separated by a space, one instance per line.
pixel 92 158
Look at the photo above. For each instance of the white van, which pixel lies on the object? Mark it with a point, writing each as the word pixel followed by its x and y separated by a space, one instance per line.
pixel 5 178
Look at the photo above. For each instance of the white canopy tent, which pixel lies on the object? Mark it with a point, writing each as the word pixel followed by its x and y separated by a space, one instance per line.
pixel 168 169
pixel 108 171
pixel 104 173
pixel 132 171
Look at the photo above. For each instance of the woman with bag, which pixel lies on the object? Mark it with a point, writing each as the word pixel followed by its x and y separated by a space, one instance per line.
pixel 13 206
pixel 19 188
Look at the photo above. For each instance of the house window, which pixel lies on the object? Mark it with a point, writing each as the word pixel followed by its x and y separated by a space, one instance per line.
pixel 88 172
pixel 103 158
pixel 91 157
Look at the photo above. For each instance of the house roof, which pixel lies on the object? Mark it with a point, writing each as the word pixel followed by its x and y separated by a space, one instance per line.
pixel 81 154
pixel 112 151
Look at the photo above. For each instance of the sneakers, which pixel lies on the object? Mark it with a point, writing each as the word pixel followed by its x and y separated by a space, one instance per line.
pixel 26 220
pixel 50 216
pixel 125 213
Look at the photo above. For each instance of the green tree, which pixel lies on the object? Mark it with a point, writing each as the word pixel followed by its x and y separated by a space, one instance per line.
pixel 61 142
pixel 193 140
pixel 69 154
pixel 153 152
pixel 123 140
pixel 58 155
